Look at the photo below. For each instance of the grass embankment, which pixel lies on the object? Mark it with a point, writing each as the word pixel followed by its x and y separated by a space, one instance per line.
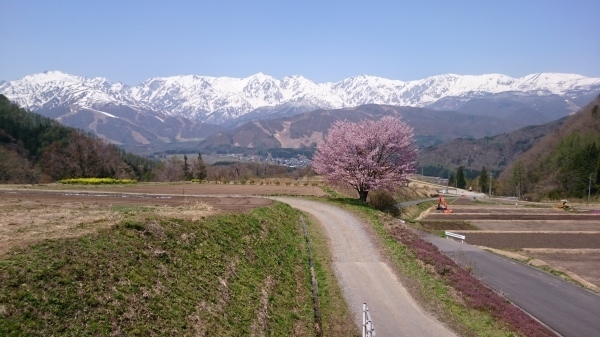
pixel 233 275
pixel 441 286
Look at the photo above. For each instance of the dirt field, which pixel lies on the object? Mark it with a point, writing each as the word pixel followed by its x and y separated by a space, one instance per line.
pixel 521 214
pixel 520 240
pixel 29 215
pixel 568 241
pixel 538 225
pixel 201 189
pixel 577 261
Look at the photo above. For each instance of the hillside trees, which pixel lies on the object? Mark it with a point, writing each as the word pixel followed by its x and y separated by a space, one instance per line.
pixel 561 163
pixel 33 131
pixel 576 159
pixel 37 148
pixel 15 169
pixel 143 169
pixel 367 155
pixel 565 171
pixel 83 156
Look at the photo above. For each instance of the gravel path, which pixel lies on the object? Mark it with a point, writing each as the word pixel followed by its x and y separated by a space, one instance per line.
pixel 365 277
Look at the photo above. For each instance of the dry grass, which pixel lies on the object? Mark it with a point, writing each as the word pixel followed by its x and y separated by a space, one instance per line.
pixel 192 209
pixel 23 222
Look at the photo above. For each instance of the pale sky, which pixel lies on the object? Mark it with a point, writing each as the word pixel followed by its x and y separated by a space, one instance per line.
pixel 325 41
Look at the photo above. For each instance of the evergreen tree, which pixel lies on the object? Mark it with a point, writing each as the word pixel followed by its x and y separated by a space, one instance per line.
pixel 460 178
pixel 199 168
pixel 187 175
pixel 484 180
pixel 518 178
pixel 451 180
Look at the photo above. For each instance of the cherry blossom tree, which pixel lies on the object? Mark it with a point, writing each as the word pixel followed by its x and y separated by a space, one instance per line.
pixel 367 155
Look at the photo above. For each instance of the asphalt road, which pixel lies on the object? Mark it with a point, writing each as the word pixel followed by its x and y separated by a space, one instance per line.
pixel 567 309
pixel 366 278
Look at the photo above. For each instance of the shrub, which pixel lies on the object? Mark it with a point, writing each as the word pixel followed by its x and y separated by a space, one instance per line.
pixel 383 201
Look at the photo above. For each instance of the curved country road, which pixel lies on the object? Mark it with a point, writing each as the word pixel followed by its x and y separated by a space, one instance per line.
pixel 564 307
pixel 366 278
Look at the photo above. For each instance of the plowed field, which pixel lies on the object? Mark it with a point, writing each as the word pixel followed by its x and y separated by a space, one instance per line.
pixel 30 214
pixel 565 240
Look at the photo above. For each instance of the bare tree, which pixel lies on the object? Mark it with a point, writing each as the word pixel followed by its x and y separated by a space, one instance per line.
pixel 172 170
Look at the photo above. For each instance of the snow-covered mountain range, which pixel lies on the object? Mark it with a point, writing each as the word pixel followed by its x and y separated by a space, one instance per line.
pixel 222 99
pixel 162 113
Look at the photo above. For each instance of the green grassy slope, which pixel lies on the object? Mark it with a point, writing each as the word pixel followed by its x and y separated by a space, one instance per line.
pixel 233 275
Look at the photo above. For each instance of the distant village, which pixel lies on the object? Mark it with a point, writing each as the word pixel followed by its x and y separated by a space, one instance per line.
pixel 299 161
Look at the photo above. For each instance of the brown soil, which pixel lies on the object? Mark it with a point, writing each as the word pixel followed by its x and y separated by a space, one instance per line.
pixel 462 201
pixel 30 214
pixel 485 209
pixel 213 189
pixel 514 240
pixel 515 216
pixel 537 225
pixel 446 225
pixel 568 241
pixel 230 203
pixel 586 265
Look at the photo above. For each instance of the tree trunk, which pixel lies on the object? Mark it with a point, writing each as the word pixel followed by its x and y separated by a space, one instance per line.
pixel 362 195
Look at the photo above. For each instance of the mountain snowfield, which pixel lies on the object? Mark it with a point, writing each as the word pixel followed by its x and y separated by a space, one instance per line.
pixel 220 99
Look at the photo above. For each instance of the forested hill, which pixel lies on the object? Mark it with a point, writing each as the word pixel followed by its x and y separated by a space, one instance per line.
pixel 36 149
pixel 565 163
pixel 494 153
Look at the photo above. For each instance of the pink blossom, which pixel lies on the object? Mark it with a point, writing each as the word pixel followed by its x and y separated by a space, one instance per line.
pixel 367 155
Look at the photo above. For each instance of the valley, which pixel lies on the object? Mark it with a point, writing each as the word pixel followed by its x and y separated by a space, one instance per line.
pixel 300 168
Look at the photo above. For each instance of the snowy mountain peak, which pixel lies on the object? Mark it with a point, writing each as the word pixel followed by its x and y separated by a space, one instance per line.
pixel 218 99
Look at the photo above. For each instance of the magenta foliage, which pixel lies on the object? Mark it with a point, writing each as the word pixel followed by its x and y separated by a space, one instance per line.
pixel 474 293
pixel 367 155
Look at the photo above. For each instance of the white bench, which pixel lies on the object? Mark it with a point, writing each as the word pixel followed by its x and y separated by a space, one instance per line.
pixel 457 236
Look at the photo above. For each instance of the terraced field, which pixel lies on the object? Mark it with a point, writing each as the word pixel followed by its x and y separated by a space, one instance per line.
pixel 568 241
